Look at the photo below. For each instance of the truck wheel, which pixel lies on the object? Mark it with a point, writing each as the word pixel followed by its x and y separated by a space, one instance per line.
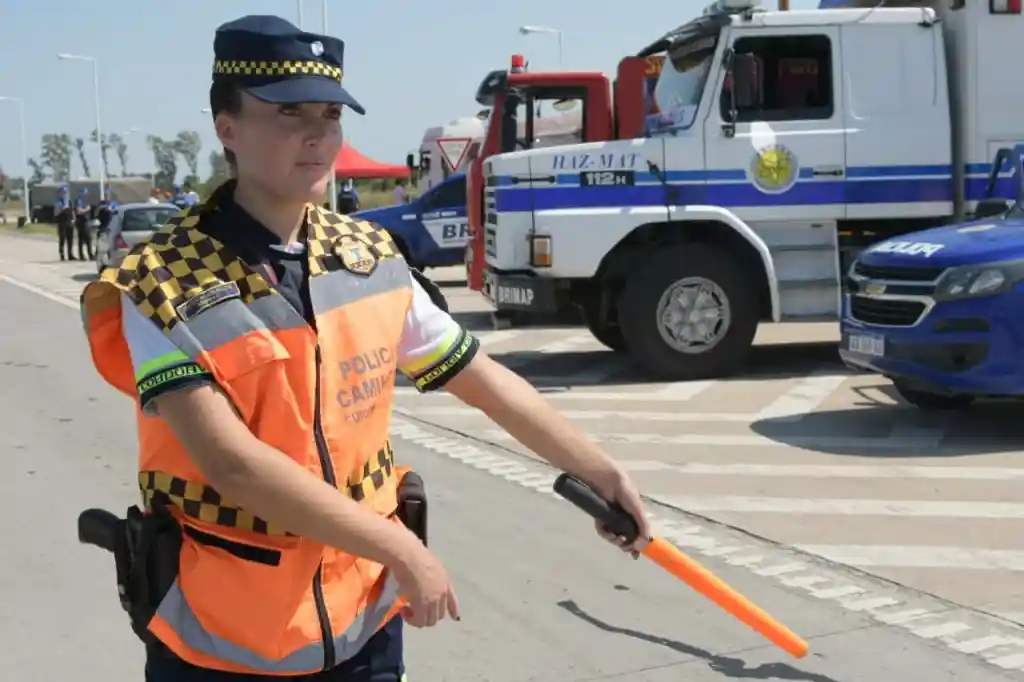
pixel 689 313
pixel 925 400
pixel 609 335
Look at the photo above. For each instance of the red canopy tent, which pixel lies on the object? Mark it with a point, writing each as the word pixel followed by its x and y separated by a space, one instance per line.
pixel 352 164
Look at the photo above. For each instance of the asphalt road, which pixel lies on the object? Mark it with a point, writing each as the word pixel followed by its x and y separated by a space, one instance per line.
pixel 543 598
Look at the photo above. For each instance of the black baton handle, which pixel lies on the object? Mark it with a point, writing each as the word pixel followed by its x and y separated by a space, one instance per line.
pixel 614 518
pixel 98 527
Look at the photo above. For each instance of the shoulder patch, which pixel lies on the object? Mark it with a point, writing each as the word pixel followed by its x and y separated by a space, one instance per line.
pixel 203 301
pixel 181 272
pixel 327 227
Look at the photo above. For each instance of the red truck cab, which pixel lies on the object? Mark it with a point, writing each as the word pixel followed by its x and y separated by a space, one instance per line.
pixel 506 91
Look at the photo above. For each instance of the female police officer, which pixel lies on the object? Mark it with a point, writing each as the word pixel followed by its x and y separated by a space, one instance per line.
pixel 261 336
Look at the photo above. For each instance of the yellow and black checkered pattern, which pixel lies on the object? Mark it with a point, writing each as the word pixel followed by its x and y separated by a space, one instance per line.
pixel 202 502
pixel 179 262
pixel 273 69
pixel 375 472
pixel 325 229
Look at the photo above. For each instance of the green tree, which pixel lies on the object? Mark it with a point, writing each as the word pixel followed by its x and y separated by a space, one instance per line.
pixel 104 148
pixel 120 148
pixel 188 144
pixel 38 173
pixel 164 156
pixel 56 155
pixel 80 148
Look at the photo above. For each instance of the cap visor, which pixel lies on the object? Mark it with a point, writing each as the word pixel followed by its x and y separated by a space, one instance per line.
pixel 301 90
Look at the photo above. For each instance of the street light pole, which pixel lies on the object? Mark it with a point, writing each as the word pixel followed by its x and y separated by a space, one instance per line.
pixel 334 161
pixel 527 30
pixel 298 7
pixel 96 98
pixel 24 153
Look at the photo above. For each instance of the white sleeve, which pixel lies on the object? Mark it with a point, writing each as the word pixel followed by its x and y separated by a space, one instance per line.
pixel 434 347
pixel 159 365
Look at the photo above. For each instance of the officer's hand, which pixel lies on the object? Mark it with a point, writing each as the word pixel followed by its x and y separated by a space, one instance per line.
pixel 423 581
pixel 616 486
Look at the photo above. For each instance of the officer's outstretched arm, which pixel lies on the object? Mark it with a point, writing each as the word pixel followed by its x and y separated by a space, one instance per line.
pixel 270 485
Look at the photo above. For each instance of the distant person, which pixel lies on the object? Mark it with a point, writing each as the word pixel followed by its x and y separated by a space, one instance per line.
pixel 191 197
pixel 178 197
pixel 154 196
pixel 64 215
pixel 401 197
pixel 83 215
pixel 348 197
pixel 105 209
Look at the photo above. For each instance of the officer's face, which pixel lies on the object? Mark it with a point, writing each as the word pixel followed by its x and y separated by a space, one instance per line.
pixel 288 149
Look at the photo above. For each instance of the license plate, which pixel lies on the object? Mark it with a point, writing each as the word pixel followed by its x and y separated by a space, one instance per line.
pixel 511 295
pixel 868 345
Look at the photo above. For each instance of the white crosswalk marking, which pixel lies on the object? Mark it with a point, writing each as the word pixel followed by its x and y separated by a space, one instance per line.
pixel 805 396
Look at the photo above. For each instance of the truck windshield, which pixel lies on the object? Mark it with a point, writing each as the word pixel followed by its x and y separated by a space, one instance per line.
pixel 681 84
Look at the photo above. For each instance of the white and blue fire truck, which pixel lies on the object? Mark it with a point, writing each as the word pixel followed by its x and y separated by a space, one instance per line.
pixel 783 143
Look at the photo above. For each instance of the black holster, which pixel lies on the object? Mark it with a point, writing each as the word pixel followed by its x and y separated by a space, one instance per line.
pixel 412 504
pixel 147 550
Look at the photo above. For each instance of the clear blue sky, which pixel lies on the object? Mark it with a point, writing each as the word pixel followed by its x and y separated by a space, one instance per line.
pixel 411 64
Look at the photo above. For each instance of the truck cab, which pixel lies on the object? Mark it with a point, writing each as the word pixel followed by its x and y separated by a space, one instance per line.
pixel 782 144
pixel 430 231
pixel 515 96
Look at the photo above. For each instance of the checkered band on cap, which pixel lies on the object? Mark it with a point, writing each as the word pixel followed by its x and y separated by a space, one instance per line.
pixel 276 69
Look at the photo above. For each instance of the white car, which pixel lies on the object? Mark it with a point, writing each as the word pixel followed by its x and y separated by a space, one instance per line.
pixel 129 225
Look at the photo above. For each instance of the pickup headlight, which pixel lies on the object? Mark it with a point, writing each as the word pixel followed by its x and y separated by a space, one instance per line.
pixel 975 281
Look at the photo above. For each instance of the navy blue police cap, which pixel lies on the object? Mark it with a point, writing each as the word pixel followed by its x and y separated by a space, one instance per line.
pixel 275 61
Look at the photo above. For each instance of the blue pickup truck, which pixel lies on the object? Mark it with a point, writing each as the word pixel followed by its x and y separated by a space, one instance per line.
pixel 432 231
pixel 941 312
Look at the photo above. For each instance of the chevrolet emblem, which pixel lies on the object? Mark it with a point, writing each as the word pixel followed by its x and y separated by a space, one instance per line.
pixel 874 289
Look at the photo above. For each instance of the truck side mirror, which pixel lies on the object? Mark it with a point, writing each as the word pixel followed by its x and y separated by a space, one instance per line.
pixel 410 162
pixel 509 121
pixel 744 80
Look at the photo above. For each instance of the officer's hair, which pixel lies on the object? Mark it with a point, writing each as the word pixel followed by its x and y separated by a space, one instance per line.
pixel 226 96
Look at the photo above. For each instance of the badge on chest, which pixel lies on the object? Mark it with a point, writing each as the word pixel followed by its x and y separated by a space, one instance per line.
pixel 356 256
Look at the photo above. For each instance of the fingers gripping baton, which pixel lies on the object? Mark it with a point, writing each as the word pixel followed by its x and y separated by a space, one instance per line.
pixel 666 555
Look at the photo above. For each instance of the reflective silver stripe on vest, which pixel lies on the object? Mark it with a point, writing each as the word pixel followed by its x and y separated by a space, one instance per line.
pixel 234 319
pixel 175 611
pixel 340 287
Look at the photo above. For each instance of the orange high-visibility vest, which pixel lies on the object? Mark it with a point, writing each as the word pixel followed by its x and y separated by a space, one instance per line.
pixel 255 598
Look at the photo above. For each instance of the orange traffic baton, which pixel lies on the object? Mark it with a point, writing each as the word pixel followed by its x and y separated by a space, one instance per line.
pixel 617 521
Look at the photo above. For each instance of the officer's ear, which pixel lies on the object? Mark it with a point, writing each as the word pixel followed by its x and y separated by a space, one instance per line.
pixel 224 124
